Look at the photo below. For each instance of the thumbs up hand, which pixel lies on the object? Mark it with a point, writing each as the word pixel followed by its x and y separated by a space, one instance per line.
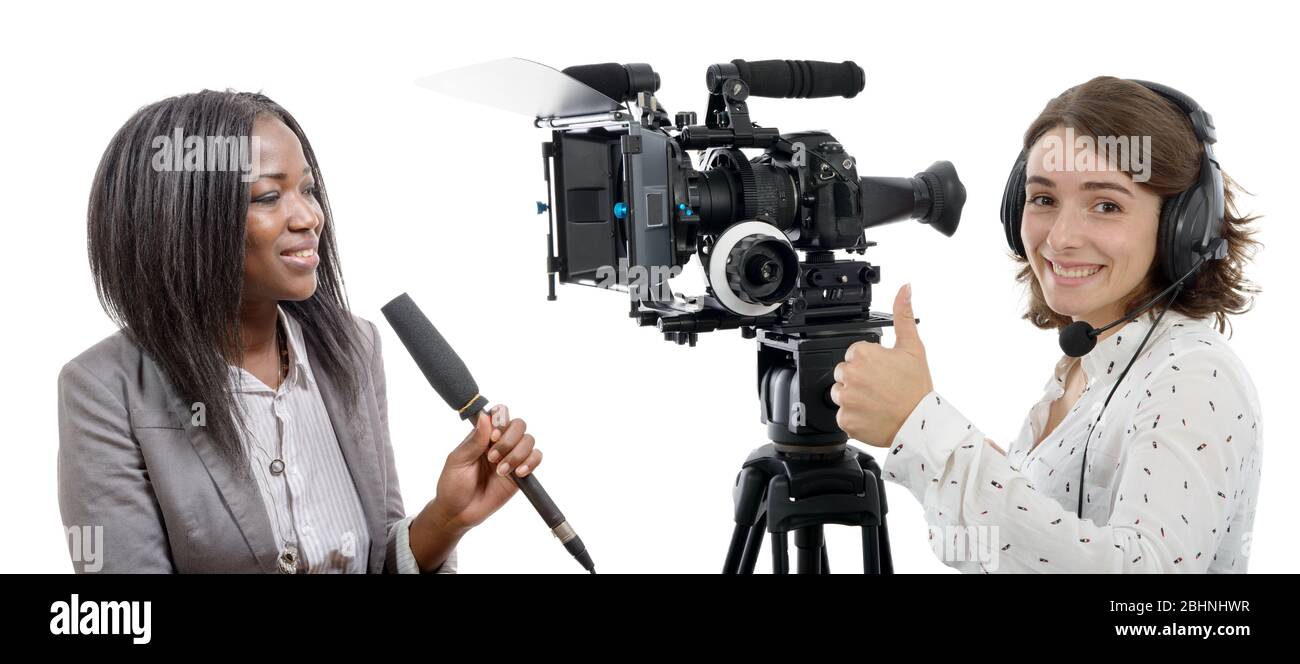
pixel 877 388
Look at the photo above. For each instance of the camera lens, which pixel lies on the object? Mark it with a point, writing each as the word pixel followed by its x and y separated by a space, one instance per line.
pixel 761 269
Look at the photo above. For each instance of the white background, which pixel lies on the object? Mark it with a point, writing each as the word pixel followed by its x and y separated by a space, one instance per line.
pixel 435 196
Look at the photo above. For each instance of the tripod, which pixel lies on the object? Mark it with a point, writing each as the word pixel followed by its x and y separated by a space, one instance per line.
pixel 807 476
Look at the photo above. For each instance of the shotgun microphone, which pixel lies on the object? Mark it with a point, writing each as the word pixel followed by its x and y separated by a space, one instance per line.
pixel 452 381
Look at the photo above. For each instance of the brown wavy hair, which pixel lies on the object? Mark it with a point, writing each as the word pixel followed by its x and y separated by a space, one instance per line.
pixel 1108 106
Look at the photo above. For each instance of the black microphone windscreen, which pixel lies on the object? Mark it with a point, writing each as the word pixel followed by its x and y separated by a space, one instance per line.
pixel 441 366
pixel 1077 339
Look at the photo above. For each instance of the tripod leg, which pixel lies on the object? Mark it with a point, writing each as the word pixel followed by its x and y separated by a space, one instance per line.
pixel 780 563
pixel 748 498
pixel 754 545
pixel 809 543
pixel 870 550
pixel 826 561
pixel 886 558
pixel 739 536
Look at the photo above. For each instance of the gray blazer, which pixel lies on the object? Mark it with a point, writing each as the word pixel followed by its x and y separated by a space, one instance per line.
pixel 167 500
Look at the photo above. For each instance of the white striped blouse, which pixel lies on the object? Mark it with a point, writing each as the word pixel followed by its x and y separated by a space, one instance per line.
pixel 310 499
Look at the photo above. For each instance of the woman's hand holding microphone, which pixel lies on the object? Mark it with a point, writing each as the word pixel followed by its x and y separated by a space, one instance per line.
pixel 475 482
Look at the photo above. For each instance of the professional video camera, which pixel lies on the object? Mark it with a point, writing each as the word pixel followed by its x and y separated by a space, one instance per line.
pixel 629 210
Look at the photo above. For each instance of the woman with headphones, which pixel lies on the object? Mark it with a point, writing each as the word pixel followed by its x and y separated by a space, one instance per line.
pixel 238 422
pixel 1144 453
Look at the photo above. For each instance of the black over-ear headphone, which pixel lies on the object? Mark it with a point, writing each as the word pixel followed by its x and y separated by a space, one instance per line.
pixel 1190 234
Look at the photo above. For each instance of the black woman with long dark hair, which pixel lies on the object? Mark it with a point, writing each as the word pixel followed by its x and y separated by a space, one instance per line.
pixel 237 422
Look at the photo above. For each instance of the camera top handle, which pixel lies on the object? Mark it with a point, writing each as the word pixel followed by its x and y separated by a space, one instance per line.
pixel 730 84
pixel 790 78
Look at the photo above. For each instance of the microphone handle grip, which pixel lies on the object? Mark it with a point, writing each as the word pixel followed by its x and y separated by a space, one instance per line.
pixel 528 484
pixel 541 500
pixel 531 487
pixel 554 518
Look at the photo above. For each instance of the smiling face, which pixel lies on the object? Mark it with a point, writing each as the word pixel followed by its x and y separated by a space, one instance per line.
pixel 1089 233
pixel 284 219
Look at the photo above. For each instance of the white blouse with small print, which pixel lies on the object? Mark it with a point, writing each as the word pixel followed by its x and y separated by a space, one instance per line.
pixel 1173 467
